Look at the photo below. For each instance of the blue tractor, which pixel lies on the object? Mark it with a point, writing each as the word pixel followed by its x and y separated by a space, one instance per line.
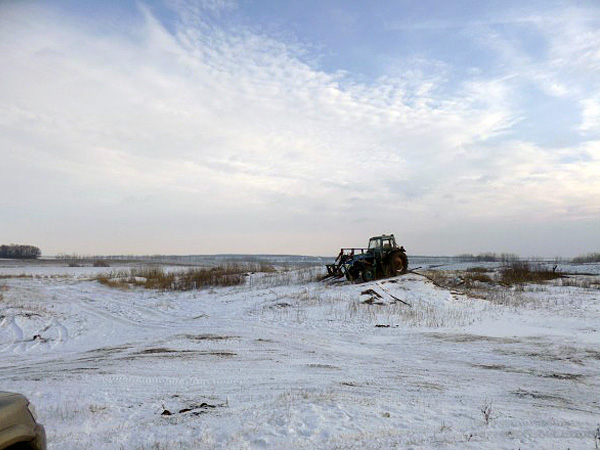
pixel 381 259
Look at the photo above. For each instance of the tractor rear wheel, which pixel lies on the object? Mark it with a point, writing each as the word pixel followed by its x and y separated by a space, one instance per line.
pixel 398 263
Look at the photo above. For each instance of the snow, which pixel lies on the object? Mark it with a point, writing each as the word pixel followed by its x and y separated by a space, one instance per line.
pixel 288 362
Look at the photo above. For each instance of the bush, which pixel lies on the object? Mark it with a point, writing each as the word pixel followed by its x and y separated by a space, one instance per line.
pixel 522 272
pixel 100 263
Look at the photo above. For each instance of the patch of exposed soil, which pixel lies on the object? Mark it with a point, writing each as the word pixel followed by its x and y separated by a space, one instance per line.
pixel 471 338
pixel 323 366
pixel 209 337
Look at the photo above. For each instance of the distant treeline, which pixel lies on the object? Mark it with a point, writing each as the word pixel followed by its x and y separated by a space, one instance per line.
pixel 511 257
pixel 488 257
pixel 589 258
pixel 219 259
pixel 19 251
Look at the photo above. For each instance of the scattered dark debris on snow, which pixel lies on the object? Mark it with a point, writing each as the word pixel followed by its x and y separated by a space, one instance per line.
pixel 563 376
pixel 372 293
pixel 522 393
pixel 156 350
pixel 322 366
pixel 208 337
pixel 460 338
pixel 162 352
pixel 194 409
pixel 371 301
pixel 375 298
pixel 281 305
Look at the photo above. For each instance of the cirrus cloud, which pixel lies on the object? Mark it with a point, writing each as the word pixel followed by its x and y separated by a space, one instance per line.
pixel 221 139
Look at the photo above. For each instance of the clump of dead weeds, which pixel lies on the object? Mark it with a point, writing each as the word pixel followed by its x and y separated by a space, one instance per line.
pixel 458 279
pixel 480 282
pixel 470 278
pixel 520 272
pixel 101 263
pixel 477 270
pixel 160 279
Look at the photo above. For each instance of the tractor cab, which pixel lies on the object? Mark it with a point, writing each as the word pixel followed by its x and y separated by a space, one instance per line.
pixel 379 244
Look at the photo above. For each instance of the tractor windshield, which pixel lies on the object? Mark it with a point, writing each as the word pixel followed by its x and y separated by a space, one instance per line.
pixel 374 243
pixel 389 243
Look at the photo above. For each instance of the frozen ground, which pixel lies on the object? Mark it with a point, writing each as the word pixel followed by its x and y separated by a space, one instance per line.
pixel 287 362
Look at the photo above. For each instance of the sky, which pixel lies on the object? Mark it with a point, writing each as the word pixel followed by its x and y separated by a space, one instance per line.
pixel 300 126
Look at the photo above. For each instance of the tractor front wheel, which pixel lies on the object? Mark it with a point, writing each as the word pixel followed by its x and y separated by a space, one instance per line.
pixel 353 273
pixel 367 274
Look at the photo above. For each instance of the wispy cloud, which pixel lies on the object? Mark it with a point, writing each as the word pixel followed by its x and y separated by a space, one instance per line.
pixel 203 131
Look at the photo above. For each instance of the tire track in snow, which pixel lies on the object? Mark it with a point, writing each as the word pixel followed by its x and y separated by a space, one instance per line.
pixel 125 312
pixel 12 338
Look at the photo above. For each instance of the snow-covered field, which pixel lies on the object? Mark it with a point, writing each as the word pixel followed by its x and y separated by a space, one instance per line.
pixel 288 362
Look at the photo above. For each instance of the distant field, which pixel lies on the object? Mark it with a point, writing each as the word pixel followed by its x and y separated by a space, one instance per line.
pixel 452 356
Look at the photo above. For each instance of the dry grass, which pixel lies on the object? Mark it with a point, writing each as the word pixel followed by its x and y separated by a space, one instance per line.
pixel 21 275
pixel 516 299
pixel 515 273
pixel 477 270
pixel 522 272
pixel 266 268
pixel 217 276
pixel 458 279
pixel 159 278
pixel 117 279
pixel 290 277
pixel 506 287
pixel 113 282
pixel 470 278
pixel 425 315
pixel 581 282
